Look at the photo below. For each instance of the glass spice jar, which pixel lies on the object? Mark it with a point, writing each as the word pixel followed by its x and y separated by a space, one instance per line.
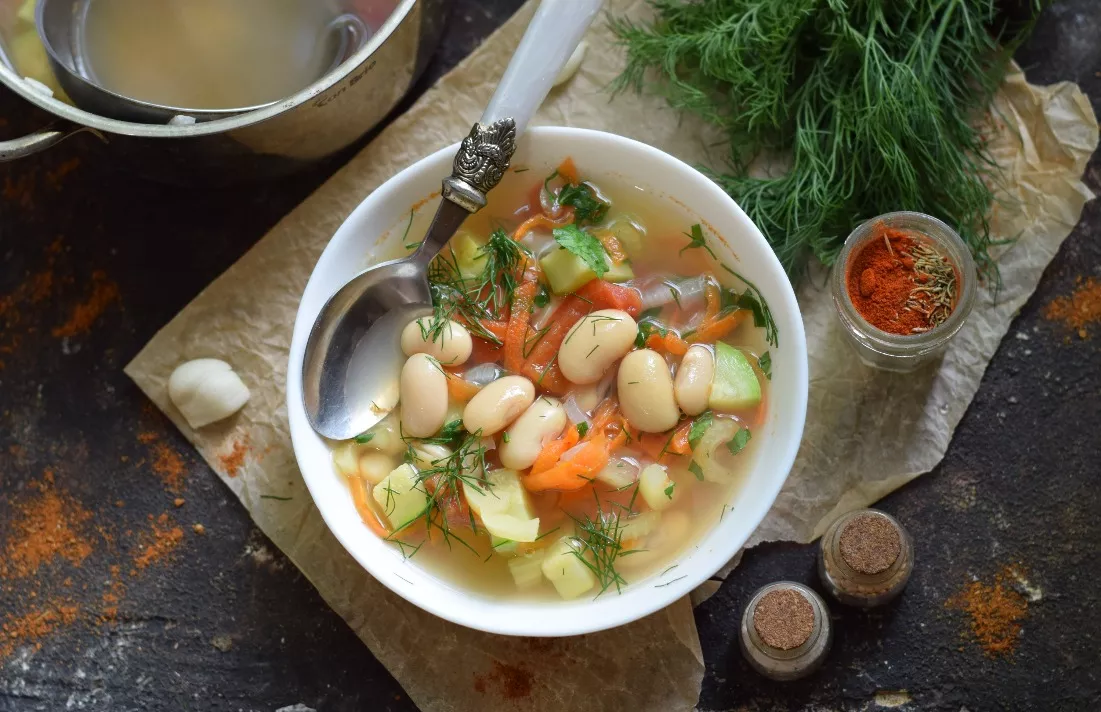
pixel 786 631
pixel 903 352
pixel 865 558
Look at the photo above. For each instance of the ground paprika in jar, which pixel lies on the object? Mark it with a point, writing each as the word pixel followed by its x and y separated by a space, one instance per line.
pixel 900 283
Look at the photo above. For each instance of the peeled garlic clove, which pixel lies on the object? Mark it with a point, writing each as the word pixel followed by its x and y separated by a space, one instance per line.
pixel 572 64
pixel 206 390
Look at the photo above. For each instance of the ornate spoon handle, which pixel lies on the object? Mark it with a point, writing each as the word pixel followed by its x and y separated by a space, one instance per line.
pixel 548 42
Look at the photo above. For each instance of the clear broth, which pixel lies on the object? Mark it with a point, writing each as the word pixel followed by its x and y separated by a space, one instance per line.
pixel 701 504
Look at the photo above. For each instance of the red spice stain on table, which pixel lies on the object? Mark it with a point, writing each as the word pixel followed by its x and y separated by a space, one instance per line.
pixel 1079 310
pixel 159 543
pixel 509 681
pixel 84 315
pixel 57 176
pixel 167 463
pixel 34 625
pixel 47 527
pixel 995 610
pixel 32 291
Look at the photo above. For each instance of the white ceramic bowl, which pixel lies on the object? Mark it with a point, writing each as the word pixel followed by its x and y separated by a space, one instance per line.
pixel 739 243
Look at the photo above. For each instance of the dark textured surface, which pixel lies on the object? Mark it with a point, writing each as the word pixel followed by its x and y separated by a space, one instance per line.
pixel 227 623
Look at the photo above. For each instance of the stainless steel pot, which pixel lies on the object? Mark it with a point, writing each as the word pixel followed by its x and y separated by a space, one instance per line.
pixel 323 118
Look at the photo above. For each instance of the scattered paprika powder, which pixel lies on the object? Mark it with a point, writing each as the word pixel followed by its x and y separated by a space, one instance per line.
pixel 159 544
pixel 86 313
pixel 900 283
pixel 234 460
pixel 1081 309
pixel 995 610
pixel 48 526
pixel 167 463
pixel 34 625
pixel 509 681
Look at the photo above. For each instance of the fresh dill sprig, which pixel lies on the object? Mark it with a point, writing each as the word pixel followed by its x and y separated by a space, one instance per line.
pixel 873 106
pixel 484 297
pixel 443 479
pixel 598 543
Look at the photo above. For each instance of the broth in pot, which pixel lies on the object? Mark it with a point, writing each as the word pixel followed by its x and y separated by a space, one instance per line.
pixel 215 54
pixel 580 406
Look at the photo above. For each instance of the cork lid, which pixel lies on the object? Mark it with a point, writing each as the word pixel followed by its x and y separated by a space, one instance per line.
pixel 870 544
pixel 784 619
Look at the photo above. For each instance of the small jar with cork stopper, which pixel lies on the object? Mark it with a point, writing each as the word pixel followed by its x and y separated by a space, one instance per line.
pixel 786 631
pixel 865 558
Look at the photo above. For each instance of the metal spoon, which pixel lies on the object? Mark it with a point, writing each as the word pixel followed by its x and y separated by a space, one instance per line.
pixel 353 359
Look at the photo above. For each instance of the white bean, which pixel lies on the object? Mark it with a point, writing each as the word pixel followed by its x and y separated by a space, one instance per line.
pixel 595 343
pixel 543 419
pixel 450 344
pixel 646 392
pixel 693 383
pixel 498 404
pixel 423 396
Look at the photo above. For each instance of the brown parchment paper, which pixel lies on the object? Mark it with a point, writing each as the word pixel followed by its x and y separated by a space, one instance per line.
pixel 867 432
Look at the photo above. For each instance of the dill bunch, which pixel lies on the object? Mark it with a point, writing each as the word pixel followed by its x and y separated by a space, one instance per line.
pixel 873 105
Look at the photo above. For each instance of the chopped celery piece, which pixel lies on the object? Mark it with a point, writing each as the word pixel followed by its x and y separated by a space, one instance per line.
pixel 569 574
pixel 735 385
pixel 400 497
pixel 527 570
pixel 656 488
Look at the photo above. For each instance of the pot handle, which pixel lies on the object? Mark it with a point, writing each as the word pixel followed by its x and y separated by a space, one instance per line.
pixel 39 141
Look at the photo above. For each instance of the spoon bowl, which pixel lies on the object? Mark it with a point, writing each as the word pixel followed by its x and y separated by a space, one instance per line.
pixel 353 357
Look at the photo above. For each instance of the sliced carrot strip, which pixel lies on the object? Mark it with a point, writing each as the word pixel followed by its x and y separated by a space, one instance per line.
pixel 659 445
pixel 553 450
pixel 517 330
pixel 484 352
pixel 714 303
pixel 574 473
pixel 606 295
pixel 711 331
pixel 460 389
pixel 552 381
pixel 359 498
pixel 568 313
pixel 671 343
pixel 453 505
pixel 542 220
pixel 568 170
pixel 612 246
pixel 606 413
